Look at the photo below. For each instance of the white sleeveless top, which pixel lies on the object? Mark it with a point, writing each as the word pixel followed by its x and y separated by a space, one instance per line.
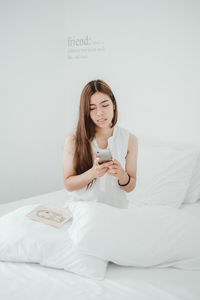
pixel 106 189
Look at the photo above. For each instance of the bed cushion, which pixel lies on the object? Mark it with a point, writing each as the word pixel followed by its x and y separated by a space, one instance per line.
pixel 25 240
pixel 193 192
pixel 146 236
pixel 163 174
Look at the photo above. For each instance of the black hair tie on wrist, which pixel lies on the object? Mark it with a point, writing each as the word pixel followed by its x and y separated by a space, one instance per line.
pixel 129 178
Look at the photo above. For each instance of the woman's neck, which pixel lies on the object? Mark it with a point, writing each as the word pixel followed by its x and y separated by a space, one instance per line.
pixel 104 132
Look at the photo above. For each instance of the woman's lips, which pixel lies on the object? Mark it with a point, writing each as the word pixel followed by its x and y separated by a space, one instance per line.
pixel 101 120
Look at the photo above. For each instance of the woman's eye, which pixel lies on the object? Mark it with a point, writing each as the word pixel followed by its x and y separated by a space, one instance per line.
pixel 102 106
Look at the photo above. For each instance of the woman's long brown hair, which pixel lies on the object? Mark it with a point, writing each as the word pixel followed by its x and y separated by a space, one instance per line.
pixel 85 131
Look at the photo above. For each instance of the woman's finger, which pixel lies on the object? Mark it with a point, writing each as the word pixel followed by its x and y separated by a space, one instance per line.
pixel 113 167
pixel 112 174
pixel 107 164
pixel 115 162
pixel 96 162
pixel 102 172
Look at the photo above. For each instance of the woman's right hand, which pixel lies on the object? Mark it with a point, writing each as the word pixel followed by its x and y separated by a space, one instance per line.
pixel 99 170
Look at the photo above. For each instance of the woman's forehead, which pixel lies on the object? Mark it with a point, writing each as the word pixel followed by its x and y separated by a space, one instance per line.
pixel 98 98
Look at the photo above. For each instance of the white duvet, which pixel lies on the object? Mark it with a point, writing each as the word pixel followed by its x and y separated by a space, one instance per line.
pixel 25 240
pixel 146 236
pixel 21 280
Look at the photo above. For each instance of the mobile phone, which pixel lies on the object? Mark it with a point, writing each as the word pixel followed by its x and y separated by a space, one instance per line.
pixel 104 155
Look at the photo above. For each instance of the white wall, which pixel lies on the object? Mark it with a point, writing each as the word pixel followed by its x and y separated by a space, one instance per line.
pixel 33 106
pixel 147 51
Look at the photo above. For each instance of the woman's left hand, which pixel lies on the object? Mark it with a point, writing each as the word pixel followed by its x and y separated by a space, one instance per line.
pixel 116 170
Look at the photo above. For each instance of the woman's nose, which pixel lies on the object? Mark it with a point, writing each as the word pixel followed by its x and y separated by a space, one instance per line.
pixel 99 111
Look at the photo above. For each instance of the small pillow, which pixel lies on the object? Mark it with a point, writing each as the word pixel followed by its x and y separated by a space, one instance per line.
pixel 193 192
pixel 163 175
pixel 25 240
pixel 145 236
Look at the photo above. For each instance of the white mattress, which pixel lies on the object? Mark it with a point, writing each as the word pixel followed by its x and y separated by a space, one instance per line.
pixel 31 281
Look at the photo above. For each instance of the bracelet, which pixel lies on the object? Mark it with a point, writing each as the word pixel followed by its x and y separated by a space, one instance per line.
pixel 129 178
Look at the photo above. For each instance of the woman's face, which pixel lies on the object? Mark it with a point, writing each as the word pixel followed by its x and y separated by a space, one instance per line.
pixel 101 109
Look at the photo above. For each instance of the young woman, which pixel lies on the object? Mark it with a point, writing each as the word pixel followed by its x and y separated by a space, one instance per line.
pixel 96 130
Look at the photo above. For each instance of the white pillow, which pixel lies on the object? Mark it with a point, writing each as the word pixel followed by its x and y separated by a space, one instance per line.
pixel 141 237
pixel 193 192
pixel 25 240
pixel 163 174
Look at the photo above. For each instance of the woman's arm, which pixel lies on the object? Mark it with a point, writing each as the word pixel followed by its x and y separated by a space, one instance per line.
pixel 130 168
pixel 131 164
pixel 71 180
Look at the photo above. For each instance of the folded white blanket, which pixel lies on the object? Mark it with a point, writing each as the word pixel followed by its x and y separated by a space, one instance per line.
pixel 25 240
pixel 145 236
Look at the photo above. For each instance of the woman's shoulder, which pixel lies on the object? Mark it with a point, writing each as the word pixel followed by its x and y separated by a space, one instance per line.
pixel 132 137
pixel 70 137
pixel 69 142
pixel 133 140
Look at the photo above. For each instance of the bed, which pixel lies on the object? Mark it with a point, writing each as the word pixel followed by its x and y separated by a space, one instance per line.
pixel 33 281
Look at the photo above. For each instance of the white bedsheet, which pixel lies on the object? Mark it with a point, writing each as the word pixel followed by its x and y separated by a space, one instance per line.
pixel 31 281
